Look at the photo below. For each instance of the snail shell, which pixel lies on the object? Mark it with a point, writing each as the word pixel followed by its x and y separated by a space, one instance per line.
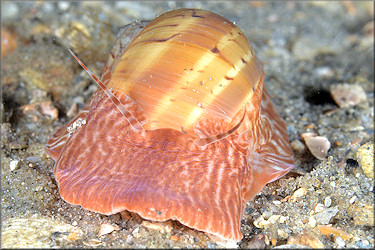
pixel 184 68
pixel 182 127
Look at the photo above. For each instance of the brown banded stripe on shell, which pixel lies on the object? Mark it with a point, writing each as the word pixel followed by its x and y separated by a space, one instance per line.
pixel 185 66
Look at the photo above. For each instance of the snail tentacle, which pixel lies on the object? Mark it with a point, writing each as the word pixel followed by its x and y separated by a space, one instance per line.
pixel 135 124
pixel 208 140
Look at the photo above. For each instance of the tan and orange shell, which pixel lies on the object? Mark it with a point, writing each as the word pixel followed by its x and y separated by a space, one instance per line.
pixel 183 130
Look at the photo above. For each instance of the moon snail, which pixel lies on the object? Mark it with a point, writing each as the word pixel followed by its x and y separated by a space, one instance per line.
pixel 181 127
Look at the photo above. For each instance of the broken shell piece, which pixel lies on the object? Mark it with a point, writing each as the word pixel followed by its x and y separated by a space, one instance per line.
pixel 312 222
pixel 92 243
pixel 8 42
pixel 257 242
pixel 364 216
pixel 160 226
pixel 326 216
pixel 37 232
pixel 365 157
pixel 318 145
pixel 319 207
pixel 346 95
pixel 298 194
pixel 107 228
pixel 306 238
pixel 328 230
pixel 14 165
pixel 261 222
pixel 46 107
pixel 73 236
pixel 298 146
pixel 174 238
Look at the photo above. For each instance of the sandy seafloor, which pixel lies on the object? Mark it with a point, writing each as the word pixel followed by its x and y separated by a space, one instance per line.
pixel 305 46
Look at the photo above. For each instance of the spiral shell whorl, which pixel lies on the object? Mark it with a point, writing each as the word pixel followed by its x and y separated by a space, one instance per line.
pixel 185 66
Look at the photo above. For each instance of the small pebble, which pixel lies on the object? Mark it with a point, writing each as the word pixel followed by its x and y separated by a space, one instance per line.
pixel 72 110
pixel 290 246
pixel 129 238
pixel 276 202
pixel 46 107
pixel 327 201
pixel 318 208
pixel 273 242
pixel 9 10
pixel 260 222
pixel 63 5
pixel 346 95
pixel 79 100
pixel 312 222
pixel 283 219
pixel 74 223
pixel 107 228
pixel 325 217
pixel 73 236
pixel 306 47
pixel 364 216
pixel 329 230
pixel 283 234
pixel 267 214
pixel 363 244
pixel 307 239
pixel 274 218
pixel 8 42
pixel 33 159
pixel 317 145
pixel 92 243
pixel 333 184
pixel 160 226
pixel 365 158
pixel 352 200
pixel 14 165
pixel 257 242
pixel 209 245
pixel 174 238
pixel 324 71
pixel 298 194
pixel 298 146
pixel 339 241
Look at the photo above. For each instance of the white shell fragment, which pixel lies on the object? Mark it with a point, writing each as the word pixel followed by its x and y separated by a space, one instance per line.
pixel 14 165
pixel 107 228
pixel 301 192
pixel 160 226
pixel 37 232
pixel 318 145
pixel 346 95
